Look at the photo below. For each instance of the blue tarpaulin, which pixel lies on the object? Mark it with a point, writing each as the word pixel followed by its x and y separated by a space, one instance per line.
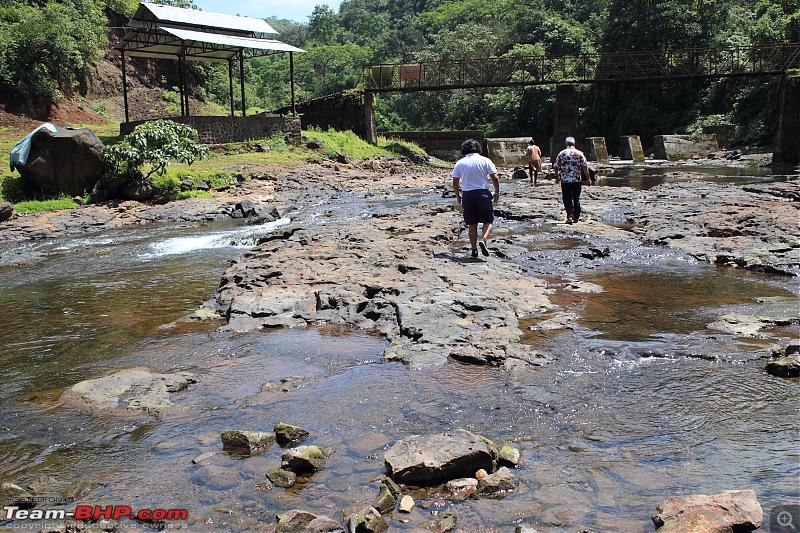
pixel 19 154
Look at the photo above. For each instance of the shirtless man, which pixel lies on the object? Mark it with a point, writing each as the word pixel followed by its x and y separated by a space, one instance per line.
pixel 534 155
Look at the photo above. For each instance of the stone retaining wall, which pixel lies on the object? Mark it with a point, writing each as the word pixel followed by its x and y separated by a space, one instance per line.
pixel 220 130
pixel 348 110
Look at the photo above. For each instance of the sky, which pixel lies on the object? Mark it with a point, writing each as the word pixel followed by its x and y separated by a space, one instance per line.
pixel 296 10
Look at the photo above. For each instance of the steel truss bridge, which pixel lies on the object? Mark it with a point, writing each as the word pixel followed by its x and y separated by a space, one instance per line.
pixel 664 65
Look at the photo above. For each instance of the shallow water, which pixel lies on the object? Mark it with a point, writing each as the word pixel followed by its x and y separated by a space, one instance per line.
pixel 630 414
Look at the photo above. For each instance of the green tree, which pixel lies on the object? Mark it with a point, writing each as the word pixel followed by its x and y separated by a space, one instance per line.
pixel 155 144
pixel 46 49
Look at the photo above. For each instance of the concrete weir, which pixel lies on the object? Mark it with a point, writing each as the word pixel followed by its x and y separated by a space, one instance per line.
pixel 507 151
pixel 679 147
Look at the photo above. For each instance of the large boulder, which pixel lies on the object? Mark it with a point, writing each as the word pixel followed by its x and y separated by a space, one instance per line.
pixel 67 161
pixel 739 510
pixel 424 459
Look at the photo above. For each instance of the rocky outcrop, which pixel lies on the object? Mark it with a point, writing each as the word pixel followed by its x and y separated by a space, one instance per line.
pixel 129 391
pixel 738 509
pixel 393 275
pixel 426 459
pixel 67 161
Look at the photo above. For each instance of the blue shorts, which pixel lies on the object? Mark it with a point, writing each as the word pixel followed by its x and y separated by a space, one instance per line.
pixel 477 206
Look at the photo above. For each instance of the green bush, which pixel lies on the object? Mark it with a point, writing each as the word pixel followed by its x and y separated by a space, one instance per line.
pixel 155 144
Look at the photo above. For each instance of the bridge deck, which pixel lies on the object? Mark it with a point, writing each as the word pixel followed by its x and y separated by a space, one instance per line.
pixel 689 63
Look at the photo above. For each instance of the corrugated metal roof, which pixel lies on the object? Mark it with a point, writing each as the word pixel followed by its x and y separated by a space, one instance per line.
pixel 195 17
pixel 230 40
pixel 171 32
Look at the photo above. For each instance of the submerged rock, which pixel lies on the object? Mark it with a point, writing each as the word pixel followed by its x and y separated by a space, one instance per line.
pixel 297 521
pixel 129 391
pixel 281 477
pixel 424 459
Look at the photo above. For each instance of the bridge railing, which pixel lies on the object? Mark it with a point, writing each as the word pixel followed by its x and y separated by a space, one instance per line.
pixel 662 65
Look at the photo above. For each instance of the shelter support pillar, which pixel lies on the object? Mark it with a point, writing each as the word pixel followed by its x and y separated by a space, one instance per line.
pixel 181 85
pixel 124 86
pixel 370 128
pixel 567 123
pixel 291 78
pixel 241 81
pixel 230 85
pixel 787 139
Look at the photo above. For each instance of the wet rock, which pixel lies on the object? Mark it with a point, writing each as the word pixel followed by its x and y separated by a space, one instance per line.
pixel 523 528
pixel 407 504
pixel 386 501
pixel 129 391
pixel 421 459
pixel 596 253
pixel 446 521
pixel 303 459
pixel 6 210
pixel 288 435
pixel 364 520
pixel 498 484
pixel 786 367
pixel 296 521
pixel 508 455
pixel 11 494
pixel 462 488
pixel 739 509
pixel 246 443
pixel 393 487
pixel 282 478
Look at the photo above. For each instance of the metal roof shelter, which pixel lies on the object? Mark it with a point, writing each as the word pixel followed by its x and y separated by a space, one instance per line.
pixel 167 32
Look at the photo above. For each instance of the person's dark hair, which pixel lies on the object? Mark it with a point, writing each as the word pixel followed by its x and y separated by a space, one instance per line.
pixel 470 146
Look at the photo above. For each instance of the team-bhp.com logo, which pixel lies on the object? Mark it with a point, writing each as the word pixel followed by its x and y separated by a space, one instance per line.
pixel 95 512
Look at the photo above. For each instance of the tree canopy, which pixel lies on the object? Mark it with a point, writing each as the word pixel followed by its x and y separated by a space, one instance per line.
pixel 46 46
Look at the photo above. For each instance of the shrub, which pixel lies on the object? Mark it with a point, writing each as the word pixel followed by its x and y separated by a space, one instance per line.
pixel 155 143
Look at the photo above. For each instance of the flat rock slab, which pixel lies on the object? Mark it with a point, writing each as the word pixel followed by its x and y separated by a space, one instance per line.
pixel 391 274
pixel 424 459
pixel 131 391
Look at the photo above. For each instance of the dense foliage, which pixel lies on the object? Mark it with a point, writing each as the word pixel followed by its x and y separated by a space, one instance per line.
pixel 45 46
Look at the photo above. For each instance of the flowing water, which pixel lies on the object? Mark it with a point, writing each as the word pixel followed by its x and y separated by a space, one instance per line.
pixel 628 415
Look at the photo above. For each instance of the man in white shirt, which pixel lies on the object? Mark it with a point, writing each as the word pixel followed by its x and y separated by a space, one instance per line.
pixel 471 187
